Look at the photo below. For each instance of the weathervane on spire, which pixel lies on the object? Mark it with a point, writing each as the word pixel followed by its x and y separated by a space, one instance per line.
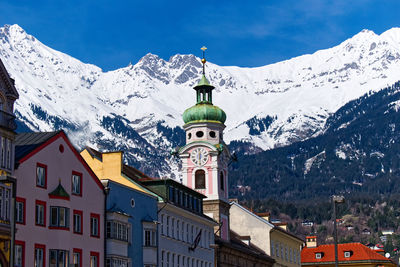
pixel 203 60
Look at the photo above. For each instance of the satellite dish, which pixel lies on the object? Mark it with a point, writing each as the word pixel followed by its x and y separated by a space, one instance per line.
pixel 387 255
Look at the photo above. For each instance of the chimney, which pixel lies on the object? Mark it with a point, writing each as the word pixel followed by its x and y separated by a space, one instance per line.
pixel 311 241
pixel 264 215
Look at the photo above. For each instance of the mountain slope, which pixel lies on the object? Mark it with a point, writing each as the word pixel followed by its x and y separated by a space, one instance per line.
pixel 359 152
pixel 137 107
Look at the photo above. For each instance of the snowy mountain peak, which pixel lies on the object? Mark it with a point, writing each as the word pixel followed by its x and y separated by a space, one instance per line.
pixel 135 107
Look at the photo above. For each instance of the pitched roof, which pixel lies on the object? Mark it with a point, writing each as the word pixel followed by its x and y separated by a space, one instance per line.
pixel 135 174
pixel 359 253
pixel 27 142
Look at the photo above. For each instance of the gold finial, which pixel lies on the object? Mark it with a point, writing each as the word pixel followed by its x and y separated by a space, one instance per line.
pixel 203 60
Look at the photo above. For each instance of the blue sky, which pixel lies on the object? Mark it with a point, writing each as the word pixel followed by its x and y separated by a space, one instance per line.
pixel 111 34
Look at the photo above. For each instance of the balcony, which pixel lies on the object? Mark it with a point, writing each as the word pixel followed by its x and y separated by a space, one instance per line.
pixel 7 120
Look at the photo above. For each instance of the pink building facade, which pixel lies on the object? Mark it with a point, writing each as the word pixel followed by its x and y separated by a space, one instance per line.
pixel 60 204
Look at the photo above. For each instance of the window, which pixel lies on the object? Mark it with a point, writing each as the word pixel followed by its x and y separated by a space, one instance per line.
pixel 221 181
pixel 212 134
pixel 119 262
pixel 58 258
pixel 40 256
pixel 182 231
pixel 177 229
pixel 286 254
pixel 19 253
pixel 40 213
pixel 277 249
pixel 41 175
pixel 8 154
pixel 59 217
pixel 76 183
pixel 162 258
pixel 168 255
pixel 272 248
pixel 3 152
pixel 149 238
pixel 94 259
pixel 78 214
pixel 173 228
pixel 6 214
pixel 200 179
pixel 117 230
pixel 162 224
pixel 94 225
pixel 5 203
pixel 187 233
pixel 199 134
pixel 167 226
pixel 77 257
pixel 20 212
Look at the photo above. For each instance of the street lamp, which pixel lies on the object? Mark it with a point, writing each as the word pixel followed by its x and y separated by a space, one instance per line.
pixel 336 199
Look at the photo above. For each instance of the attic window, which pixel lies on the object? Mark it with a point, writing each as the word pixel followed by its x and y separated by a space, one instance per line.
pixel 347 254
pixel 318 255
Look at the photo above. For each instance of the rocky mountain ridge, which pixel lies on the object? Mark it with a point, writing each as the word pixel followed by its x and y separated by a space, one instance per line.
pixel 138 108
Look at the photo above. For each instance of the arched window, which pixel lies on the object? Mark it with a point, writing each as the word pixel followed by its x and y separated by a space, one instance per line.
pixel 200 179
pixel 221 180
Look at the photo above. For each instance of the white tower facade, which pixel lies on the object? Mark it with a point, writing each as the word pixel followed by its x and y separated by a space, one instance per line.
pixel 205 156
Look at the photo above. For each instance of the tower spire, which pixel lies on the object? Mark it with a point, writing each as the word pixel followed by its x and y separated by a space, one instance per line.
pixel 203 60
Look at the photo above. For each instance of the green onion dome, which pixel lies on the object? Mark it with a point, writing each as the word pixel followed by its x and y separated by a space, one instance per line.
pixel 204 112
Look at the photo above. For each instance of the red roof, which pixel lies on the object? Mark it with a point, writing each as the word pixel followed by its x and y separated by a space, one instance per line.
pixel 359 252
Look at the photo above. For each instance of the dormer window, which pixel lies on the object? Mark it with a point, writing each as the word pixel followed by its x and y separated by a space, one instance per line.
pixel 347 254
pixel 318 255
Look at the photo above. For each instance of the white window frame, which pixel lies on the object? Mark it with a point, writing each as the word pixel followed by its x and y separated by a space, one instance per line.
pixel 39 257
pixel 39 214
pixel 40 176
pixel 76 184
pixel 149 237
pixel 19 216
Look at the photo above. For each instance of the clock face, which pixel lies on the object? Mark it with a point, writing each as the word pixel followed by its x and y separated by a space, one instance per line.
pixel 199 156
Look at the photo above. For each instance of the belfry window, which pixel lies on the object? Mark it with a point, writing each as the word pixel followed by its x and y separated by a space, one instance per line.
pixel 200 179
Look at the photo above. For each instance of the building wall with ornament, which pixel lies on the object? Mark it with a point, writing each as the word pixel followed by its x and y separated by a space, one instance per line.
pixel 61 221
pixel 8 95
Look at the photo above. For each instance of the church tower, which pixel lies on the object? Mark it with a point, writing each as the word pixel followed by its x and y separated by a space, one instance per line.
pixel 205 156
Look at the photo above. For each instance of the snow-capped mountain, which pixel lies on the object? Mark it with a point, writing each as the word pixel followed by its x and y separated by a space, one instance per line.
pixel 138 108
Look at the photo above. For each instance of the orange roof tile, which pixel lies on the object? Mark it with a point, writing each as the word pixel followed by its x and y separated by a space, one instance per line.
pixel 360 253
